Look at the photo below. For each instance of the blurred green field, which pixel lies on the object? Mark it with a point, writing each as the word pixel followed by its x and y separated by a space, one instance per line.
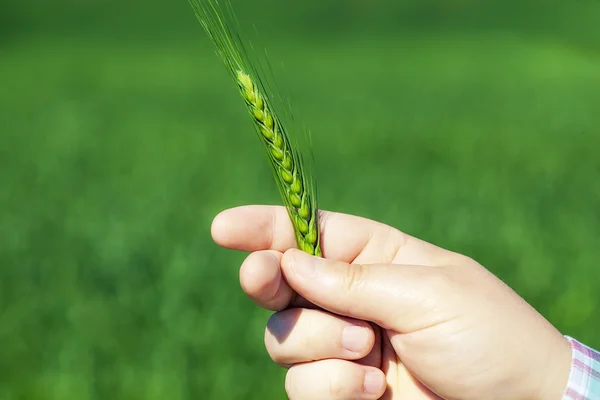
pixel 476 127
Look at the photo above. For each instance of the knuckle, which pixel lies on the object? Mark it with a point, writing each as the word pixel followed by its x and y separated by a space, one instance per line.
pixel 353 279
pixel 276 356
pixel 309 342
pixel 336 387
pixel 318 381
pixel 295 384
pixel 290 383
pixel 279 328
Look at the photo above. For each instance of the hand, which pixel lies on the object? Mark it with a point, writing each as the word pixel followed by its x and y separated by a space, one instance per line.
pixel 439 324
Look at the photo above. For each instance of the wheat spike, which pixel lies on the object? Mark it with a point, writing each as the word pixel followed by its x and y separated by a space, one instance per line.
pixel 289 173
pixel 295 183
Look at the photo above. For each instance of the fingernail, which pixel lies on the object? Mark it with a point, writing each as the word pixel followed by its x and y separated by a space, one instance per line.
pixel 374 382
pixel 304 264
pixel 355 338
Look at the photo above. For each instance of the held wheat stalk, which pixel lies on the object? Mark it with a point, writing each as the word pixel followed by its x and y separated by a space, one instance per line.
pixel 294 180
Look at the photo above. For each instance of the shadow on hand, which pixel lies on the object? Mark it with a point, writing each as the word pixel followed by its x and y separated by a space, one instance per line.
pixel 281 324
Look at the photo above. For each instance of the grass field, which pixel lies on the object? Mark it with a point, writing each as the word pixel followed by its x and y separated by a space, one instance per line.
pixel 117 149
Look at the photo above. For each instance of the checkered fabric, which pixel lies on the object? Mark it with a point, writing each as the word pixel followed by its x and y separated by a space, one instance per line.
pixel 584 378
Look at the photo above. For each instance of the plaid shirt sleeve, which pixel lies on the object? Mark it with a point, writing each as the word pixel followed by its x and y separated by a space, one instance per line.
pixel 584 378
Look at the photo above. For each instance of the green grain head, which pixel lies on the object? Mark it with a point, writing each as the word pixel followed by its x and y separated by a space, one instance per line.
pixel 294 179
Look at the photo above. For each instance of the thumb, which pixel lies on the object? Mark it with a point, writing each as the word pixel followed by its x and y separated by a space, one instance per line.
pixel 401 298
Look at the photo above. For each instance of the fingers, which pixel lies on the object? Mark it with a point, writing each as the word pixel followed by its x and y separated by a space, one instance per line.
pixel 261 280
pixel 334 379
pixel 344 237
pixel 253 228
pixel 397 297
pixel 302 335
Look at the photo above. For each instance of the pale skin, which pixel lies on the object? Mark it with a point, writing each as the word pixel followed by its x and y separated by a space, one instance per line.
pixel 388 316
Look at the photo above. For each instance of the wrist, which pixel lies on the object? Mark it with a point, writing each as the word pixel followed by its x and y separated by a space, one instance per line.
pixel 554 377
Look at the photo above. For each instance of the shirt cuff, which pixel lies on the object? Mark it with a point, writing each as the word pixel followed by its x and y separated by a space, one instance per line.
pixel 584 377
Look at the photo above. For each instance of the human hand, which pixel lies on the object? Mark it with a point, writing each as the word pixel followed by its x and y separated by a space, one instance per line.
pixel 440 325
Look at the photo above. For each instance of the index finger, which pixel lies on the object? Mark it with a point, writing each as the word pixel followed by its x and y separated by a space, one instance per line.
pixel 344 237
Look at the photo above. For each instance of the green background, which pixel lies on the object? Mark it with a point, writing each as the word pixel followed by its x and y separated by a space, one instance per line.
pixel 474 125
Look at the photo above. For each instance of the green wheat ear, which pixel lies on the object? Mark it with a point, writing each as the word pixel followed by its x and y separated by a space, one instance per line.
pixel 294 179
